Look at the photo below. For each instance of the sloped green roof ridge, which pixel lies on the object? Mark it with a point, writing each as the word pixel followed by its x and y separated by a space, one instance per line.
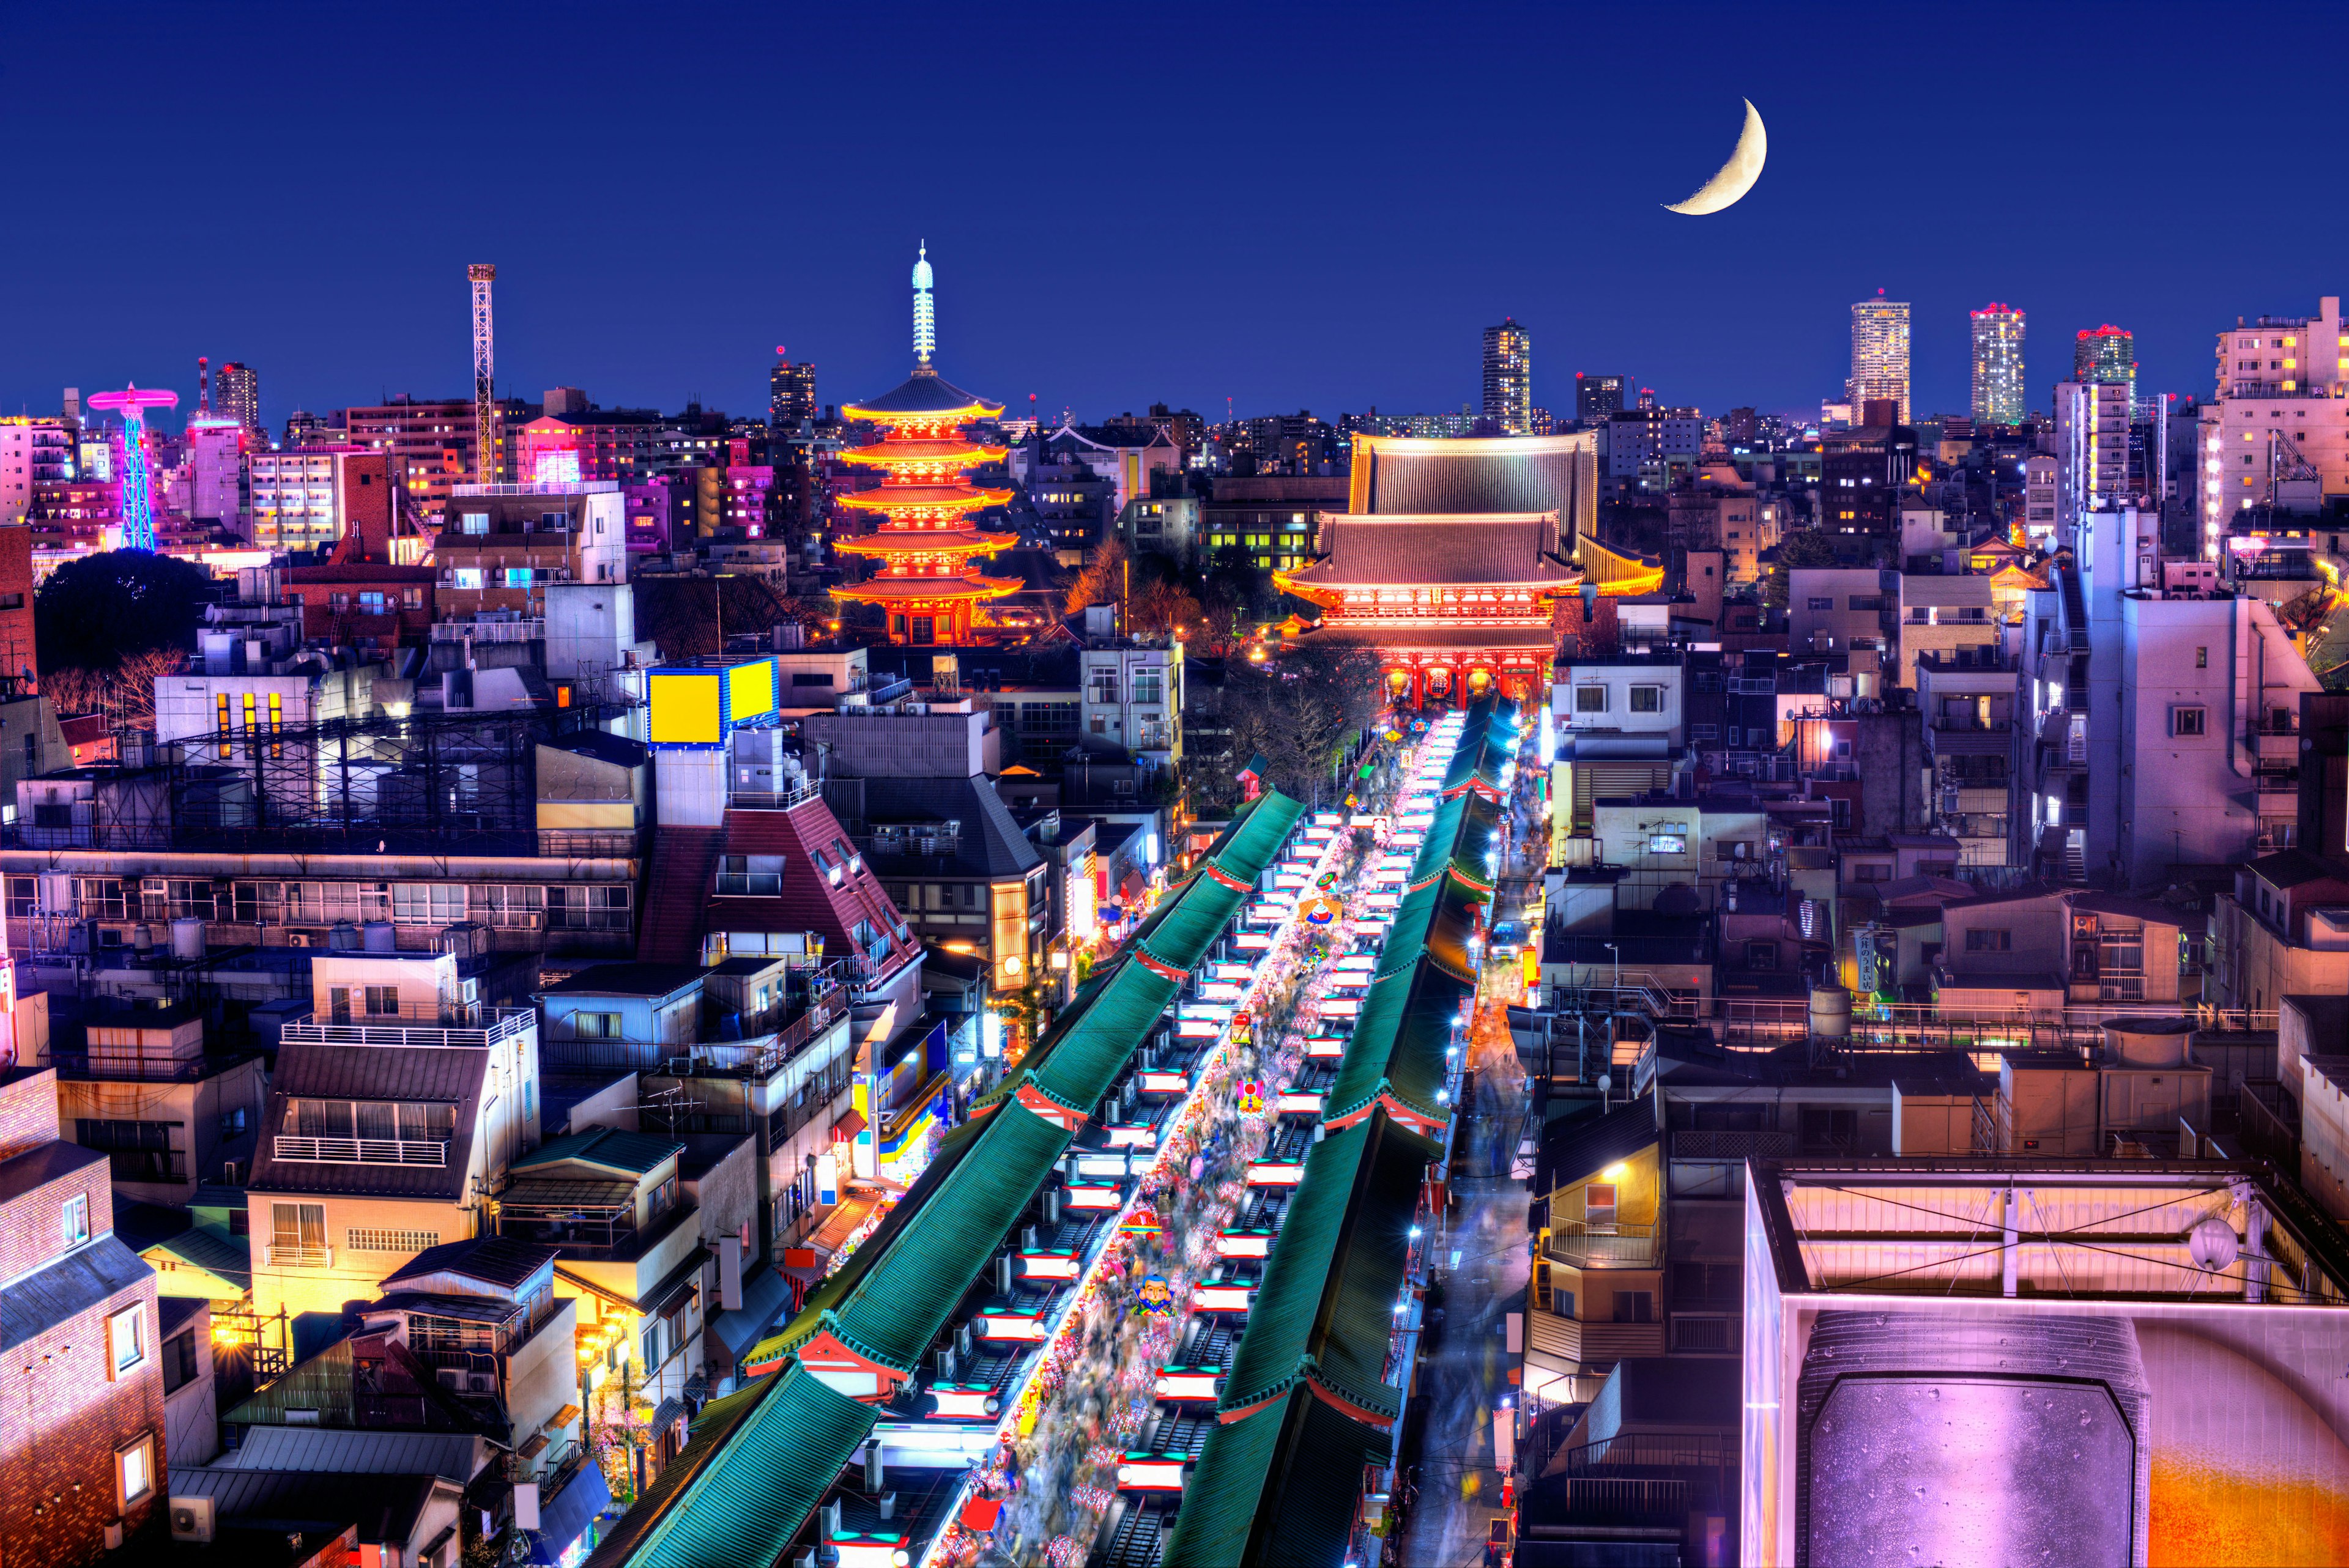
pixel 758 1464
pixel 1325 1309
pixel 1279 1489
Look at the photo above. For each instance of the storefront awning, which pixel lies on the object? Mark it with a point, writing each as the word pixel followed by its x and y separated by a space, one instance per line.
pixel 565 1517
pixel 740 1327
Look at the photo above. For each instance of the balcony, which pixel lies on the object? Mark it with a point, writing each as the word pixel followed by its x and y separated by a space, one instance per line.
pixel 497 1025
pixel 363 1150
pixel 1709 1146
pixel 285 1257
pixel 1606 1243
pixel 1574 1341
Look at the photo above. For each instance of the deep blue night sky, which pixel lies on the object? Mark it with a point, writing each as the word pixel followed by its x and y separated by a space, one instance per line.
pixel 1314 207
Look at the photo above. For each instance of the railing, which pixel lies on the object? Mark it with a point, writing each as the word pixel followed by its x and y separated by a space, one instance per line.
pixel 1659 1451
pixel 771 799
pixel 499 1024
pixel 531 629
pixel 81 1064
pixel 299 1257
pixel 1607 1245
pixel 363 1150
pixel 1702 1333
pixel 1706 1144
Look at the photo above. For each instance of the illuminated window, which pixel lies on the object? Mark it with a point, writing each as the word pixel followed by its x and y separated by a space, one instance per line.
pixel 134 1472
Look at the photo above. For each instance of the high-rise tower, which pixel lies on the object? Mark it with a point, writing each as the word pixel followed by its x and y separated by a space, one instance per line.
pixel 1880 354
pixel 237 395
pixel 485 366
pixel 791 390
pixel 1998 364
pixel 929 584
pixel 1509 377
pixel 2105 353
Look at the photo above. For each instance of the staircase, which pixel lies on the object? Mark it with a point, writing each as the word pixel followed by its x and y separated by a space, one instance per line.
pixel 678 884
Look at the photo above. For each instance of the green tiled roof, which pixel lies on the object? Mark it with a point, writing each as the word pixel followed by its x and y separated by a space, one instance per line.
pixel 1280 1490
pixel 900 1305
pixel 635 1152
pixel 1099 1032
pixel 1326 1308
pixel 756 1466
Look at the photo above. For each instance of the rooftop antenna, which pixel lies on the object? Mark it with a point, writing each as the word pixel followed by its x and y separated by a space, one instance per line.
pixel 204 385
pixel 481 274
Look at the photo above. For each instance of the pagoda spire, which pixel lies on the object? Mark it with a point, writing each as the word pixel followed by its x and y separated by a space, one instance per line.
pixel 925 314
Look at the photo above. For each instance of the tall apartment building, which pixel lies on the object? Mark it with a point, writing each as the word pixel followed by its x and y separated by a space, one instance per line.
pixel 1998 364
pixel 1644 445
pixel 2276 430
pixel 83 1443
pixel 304 499
pixel 501 545
pixel 236 396
pixel 1880 354
pixel 2106 353
pixel 1596 397
pixel 2093 423
pixel 32 451
pixel 427 442
pixel 790 395
pixel 1509 377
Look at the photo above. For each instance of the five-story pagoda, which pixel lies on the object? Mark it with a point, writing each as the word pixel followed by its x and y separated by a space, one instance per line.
pixel 929 583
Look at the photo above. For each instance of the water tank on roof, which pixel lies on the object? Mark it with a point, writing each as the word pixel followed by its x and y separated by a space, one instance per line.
pixel 2154 1043
pixel 379 938
pixel 187 937
pixel 1830 1013
pixel 344 937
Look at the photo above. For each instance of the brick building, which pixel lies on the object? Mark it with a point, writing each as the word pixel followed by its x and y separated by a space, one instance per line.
pixel 81 1410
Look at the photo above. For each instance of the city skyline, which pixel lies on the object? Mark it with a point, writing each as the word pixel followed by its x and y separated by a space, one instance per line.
pixel 1272 318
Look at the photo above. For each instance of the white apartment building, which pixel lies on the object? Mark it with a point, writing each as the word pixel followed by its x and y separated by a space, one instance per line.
pixel 1998 364
pixel 1943 615
pixel 31 450
pixel 2280 415
pixel 296 499
pixel 2039 492
pixel 1629 695
pixel 2162 725
pixel 2092 442
pixel 1134 699
pixel 1834 609
pixel 1880 356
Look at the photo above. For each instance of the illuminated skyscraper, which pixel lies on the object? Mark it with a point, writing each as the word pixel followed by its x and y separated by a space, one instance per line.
pixel 1509 377
pixel 2105 353
pixel 1596 397
pixel 237 395
pixel 1880 354
pixel 1998 364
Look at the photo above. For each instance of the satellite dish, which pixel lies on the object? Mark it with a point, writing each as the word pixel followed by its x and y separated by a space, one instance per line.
pixel 2213 1245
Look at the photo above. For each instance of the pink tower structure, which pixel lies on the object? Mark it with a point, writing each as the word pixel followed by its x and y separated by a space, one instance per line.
pixel 138 505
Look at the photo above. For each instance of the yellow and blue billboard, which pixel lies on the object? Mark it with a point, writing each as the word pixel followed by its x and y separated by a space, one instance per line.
pixel 701 704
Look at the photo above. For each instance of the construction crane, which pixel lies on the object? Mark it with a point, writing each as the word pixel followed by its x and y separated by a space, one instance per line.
pixel 485 404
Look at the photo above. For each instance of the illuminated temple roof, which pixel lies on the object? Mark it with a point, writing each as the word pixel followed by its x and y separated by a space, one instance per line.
pixel 1499 547
pixel 926 393
pixel 1415 476
pixel 917 542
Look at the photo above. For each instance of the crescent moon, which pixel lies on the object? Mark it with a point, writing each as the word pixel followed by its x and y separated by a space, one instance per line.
pixel 1736 176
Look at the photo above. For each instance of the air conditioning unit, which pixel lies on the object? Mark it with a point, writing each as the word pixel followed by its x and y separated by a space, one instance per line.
pixel 299 938
pixel 191 1519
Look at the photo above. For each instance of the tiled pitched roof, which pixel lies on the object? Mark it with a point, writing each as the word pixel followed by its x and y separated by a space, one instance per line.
pixel 810 901
pixel 1511 547
pixel 1522 474
pixel 449 1075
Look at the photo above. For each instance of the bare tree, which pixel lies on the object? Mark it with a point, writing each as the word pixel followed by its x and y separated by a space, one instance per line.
pixel 1299 710
pixel 125 693
pixel 1102 582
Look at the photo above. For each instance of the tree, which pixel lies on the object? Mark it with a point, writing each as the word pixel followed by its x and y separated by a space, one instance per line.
pixel 1299 711
pixel 96 612
pixel 1804 546
pixel 1102 582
